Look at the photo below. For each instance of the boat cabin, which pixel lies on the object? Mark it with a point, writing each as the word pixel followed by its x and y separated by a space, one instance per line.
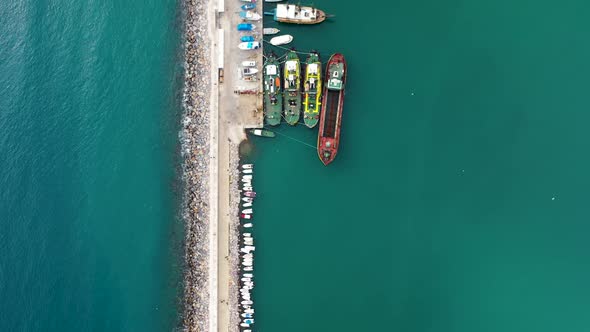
pixel 335 79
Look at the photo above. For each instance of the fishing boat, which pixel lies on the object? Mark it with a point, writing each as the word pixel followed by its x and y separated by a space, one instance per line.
pixel 247 166
pixel 247 39
pixel 249 63
pixel 312 90
pixel 270 31
pixel 272 100
pixel 281 40
pixel 292 13
pixel 292 94
pixel 261 132
pixel 246 27
pixel 248 6
pixel 250 16
pixel 245 216
pixel 249 46
pixel 249 71
pixel 332 104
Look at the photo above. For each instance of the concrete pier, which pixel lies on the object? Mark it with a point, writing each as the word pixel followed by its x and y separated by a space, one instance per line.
pixel 213 125
pixel 236 113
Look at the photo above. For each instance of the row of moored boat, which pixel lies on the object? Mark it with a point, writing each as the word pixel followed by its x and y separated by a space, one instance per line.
pixel 246 248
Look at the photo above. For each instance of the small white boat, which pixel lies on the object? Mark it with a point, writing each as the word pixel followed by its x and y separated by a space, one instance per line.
pixel 250 311
pixel 247 177
pixel 281 40
pixel 244 325
pixel 250 16
pixel 247 302
pixel 247 211
pixel 248 275
pixel 248 225
pixel 249 46
pixel 247 234
pixel 247 199
pixel 247 171
pixel 249 71
pixel 247 166
pixel 247 205
pixel 273 0
pixel 248 63
pixel 248 268
pixel 246 315
pixel 247 188
pixel 270 31
pixel 246 216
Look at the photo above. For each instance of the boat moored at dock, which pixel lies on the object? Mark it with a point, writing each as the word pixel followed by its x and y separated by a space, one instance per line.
pixel 312 90
pixel 332 104
pixel 246 39
pixel 281 40
pixel 273 99
pixel 270 31
pixel 261 132
pixel 250 16
pixel 292 13
pixel 292 93
pixel 246 27
pixel 249 45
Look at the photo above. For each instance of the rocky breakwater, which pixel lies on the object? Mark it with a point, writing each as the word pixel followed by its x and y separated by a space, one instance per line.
pixel 195 152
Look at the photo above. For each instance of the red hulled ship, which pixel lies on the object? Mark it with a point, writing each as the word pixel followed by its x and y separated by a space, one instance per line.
pixel 332 103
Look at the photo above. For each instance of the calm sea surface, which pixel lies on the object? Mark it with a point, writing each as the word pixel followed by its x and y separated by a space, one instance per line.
pixel 458 201
pixel 459 197
pixel 89 233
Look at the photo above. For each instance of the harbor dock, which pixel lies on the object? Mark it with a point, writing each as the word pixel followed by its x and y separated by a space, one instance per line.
pixel 237 111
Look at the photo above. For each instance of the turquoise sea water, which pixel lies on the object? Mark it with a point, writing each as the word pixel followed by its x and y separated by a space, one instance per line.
pixel 457 201
pixel 89 235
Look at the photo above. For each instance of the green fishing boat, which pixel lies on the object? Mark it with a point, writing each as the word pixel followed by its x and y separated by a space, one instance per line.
pixel 292 94
pixel 273 101
pixel 312 90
